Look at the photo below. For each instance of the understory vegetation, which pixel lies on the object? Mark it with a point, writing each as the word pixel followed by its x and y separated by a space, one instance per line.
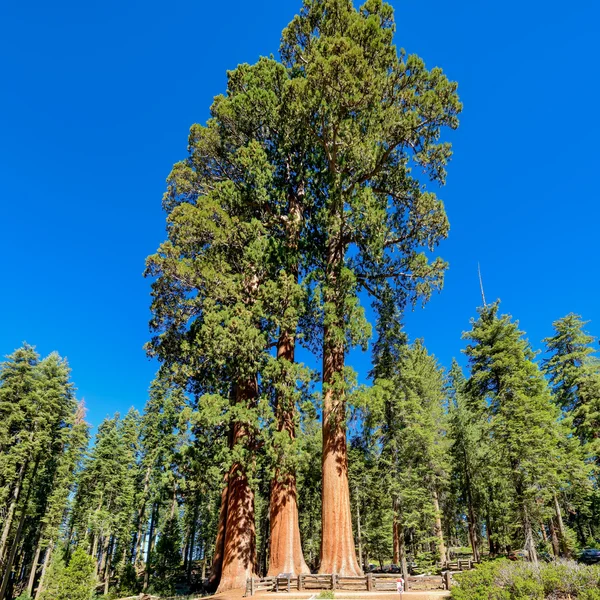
pixel 504 580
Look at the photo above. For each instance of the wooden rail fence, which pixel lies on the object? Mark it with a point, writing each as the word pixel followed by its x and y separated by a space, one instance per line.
pixel 372 582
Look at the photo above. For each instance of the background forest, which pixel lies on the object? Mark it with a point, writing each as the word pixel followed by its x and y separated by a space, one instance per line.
pixel 307 201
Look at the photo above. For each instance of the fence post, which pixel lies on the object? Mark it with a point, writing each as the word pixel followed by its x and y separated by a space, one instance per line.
pixel 289 583
pixel 369 582
pixel 252 586
pixel 333 581
pixel 300 582
pixel 447 579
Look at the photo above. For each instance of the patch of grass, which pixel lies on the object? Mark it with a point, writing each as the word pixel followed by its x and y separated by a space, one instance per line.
pixel 326 595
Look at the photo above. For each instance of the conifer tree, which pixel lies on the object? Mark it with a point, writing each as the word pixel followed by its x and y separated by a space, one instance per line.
pixel 369 114
pixel 467 457
pixel 510 395
pixel 574 374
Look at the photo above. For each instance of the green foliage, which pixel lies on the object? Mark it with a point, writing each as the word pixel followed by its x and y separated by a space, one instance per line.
pixel 326 595
pixel 512 402
pixel 503 580
pixel 76 581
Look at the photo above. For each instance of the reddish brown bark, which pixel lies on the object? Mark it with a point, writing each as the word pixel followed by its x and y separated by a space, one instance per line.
pixel 239 547
pixel 396 541
pixel 285 549
pixel 217 563
pixel 338 554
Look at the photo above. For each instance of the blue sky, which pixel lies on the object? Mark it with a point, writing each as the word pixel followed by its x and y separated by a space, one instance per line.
pixel 95 105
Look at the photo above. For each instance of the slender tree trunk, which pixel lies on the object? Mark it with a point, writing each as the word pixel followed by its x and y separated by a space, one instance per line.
pixel 561 528
pixel 471 516
pixel 191 544
pixel 488 530
pixel 173 501
pixel 338 554
pixel 13 550
pixel 544 535
pixel 358 529
pixel 107 563
pixel 47 557
pixel 139 539
pixel 402 550
pixel 239 549
pixel 11 512
pixel 528 533
pixel 153 518
pixel 554 538
pixel 439 533
pixel 34 564
pixel 395 533
pixel 104 561
pixel 217 562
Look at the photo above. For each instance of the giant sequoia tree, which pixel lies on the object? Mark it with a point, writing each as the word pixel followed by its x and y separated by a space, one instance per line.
pixel 301 180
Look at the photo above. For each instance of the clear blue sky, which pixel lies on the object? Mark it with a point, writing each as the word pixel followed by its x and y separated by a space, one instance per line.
pixel 95 105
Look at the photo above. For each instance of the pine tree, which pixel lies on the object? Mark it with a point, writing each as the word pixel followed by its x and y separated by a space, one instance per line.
pixel 510 395
pixel 574 374
pixel 76 581
pixel 468 462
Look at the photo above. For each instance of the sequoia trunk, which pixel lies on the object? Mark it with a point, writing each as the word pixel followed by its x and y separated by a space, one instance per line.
pixel 239 548
pixel 338 554
pixel 285 550
pixel 217 562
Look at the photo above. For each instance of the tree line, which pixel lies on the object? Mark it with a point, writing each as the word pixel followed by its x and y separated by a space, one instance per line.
pixel 309 192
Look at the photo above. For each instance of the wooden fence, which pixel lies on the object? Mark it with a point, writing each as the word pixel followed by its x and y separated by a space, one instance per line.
pixel 372 582
pixel 461 564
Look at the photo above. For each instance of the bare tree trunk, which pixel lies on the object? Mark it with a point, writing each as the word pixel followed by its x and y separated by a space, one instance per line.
pixel 239 549
pixel 137 551
pixel 217 562
pixel 358 529
pixel 528 532
pixel 107 564
pixel 173 501
pixel 395 533
pixel 561 528
pixel 438 526
pixel 47 556
pixel 554 538
pixel 338 554
pixel 34 564
pixel 402 550
pixel 191 544
pixel 153 518
pixel 13 549
pixel 11 512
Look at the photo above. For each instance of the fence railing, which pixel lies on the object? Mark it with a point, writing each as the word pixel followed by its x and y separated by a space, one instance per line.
pixel 371 582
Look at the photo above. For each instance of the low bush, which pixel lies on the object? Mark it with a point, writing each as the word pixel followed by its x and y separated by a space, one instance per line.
pixel 504 580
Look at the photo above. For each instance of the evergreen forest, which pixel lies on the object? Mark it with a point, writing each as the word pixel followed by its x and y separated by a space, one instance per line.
pixel 310 194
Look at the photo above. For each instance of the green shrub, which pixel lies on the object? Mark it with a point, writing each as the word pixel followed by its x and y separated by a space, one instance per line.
pixel 503 580
pixel 73 582
pixel 326 595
